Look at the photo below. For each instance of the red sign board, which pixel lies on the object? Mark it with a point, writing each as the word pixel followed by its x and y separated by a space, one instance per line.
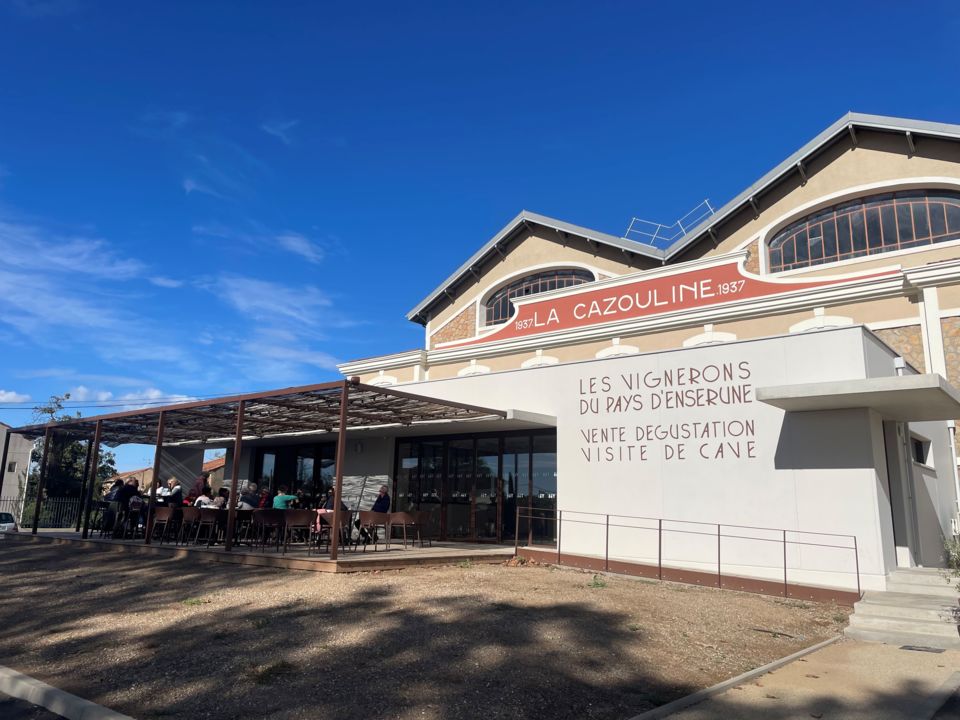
pixel 701 287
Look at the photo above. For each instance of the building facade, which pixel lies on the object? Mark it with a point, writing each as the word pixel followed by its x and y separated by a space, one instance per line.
pixel 787 366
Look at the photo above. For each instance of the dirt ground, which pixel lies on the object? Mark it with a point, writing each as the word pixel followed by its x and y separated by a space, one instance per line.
pixel 162 638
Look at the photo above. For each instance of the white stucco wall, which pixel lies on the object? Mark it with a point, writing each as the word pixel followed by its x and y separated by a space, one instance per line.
pixel 803 472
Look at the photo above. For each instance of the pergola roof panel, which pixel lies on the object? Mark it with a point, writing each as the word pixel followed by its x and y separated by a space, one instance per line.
pixel 310 408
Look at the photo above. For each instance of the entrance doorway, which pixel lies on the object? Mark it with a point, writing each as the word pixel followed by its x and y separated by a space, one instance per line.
pixel 471 486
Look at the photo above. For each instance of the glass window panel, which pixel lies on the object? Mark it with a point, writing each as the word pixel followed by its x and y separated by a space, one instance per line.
pixel 788 254
pixel 829 239
pixel 498 306
pixel 776 258
pixel 268 465
pixel 938 219
pixel 801 247
pixel 953 217
pixel 486 482
pixel 874 239
pixel 888 225
pixel 816 242
pixel 904 225
pixel 844 245
pixel 544 498
pixel 858 232
pixel 921 224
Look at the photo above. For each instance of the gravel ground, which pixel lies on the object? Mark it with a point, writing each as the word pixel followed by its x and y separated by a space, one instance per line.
pixel 161 638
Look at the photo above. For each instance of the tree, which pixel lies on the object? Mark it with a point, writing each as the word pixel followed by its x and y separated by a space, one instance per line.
pixel 66 458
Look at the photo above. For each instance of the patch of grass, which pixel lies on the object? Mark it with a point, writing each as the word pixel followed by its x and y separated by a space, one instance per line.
pixel 197 601
pixel 465 564
pixel 597 582
pixel 266 674
pixel 261 622
pixel 634 627
pixel 840 617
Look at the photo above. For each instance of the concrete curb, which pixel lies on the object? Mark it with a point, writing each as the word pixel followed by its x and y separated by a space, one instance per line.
pixel 701 695
pixel 23 687
pixel 928 709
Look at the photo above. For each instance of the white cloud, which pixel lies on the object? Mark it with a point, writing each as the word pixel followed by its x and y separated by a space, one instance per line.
pixel 191 185
pixel 151 397
pixel 11 396
pixel 82 392
pixel 165 282
pixel 280 129
pixel 30 247
pixel 259 237
pixel 300 245
pixel 265 300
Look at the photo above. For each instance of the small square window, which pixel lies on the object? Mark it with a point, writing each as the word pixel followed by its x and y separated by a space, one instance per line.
pixel 920 449
pixel 12 466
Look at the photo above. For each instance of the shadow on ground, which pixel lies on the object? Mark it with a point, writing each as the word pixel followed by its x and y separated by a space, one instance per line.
pixel 357 657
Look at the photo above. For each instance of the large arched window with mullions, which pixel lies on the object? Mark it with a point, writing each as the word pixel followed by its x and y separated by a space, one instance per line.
pixel 498 308
pixel 867 226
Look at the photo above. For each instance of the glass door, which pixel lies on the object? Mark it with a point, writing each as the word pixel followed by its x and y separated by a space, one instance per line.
pixel 486 481
pixel 431 485
pixel 544 491
pixel 516 484
pixel 458 491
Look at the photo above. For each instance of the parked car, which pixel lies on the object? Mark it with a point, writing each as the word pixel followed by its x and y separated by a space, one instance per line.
pixel 8 523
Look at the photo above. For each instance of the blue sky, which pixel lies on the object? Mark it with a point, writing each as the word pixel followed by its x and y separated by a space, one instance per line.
pixel 202 198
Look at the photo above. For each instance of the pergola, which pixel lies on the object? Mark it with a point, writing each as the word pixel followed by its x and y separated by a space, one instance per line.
pixel 327 407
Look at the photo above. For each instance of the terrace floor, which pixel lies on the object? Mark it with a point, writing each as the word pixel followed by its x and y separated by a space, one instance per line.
pixel 296 557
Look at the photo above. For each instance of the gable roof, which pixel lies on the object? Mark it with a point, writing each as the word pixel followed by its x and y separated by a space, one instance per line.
pixel 520 222
pixel 846 126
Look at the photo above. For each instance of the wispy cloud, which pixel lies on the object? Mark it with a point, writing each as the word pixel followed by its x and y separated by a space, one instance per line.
pixel 11 396
pixel 265 300
pixel 191 185
pixel 30 247
pixel 256 236
pixel 165 282
pixel 280 129
pixel 301 245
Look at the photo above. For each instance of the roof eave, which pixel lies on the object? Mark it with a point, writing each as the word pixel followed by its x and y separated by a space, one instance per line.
pixel 524 219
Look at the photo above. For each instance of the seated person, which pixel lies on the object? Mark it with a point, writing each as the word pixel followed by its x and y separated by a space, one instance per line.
pixel 174 492
pixel 328 505
pixel 203 500
pixel 282 500
pixel 382 503
pixel 222 499
pixel 264 501
pixel 249 499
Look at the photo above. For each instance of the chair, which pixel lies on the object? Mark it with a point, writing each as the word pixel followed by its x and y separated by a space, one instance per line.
pixel 162 520
pixel 208 518
pixel 109 517
pixel 369 522
pixel 321 530
pixel 405 520
pixel 265 522
pixel 191 516
pixel 423 518
pixel 297 521
pixel 242 526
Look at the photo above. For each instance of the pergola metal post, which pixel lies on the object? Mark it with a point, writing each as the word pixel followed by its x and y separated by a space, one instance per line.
pixel 151 509
pixel 83 483
pixel 47 437
pixel 235 478
pixel 338 482
pixel 3 459
pixel 95 464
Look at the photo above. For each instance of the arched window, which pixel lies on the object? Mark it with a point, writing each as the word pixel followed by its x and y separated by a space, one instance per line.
pixel 498 307
pixel 868 226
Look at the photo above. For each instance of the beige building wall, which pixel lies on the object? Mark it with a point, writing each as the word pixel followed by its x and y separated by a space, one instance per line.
pixel 537 247
pixel 878 157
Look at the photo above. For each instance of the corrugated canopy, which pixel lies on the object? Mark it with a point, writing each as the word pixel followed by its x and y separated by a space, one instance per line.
pixel 310 408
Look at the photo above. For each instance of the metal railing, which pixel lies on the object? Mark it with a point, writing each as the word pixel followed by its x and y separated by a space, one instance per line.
pixel 54 512
pixel 718 531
